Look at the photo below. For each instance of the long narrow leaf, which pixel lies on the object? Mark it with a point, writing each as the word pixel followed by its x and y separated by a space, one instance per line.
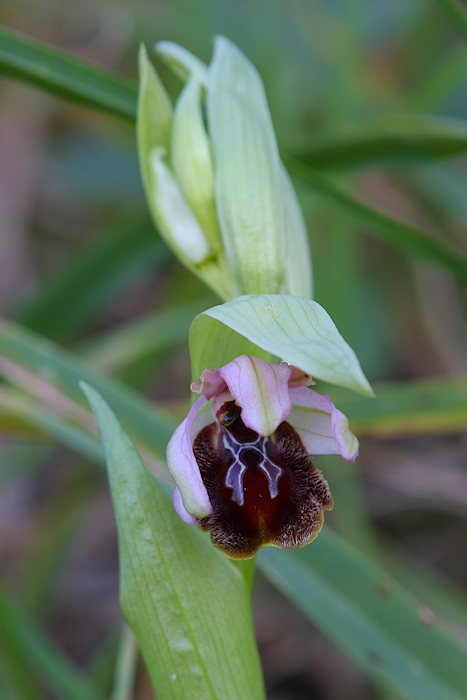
pixel 188 605
pixel 408 239
pixel 457 13
pixel 417 407
pixel 65 75
pixel 125 666
pixel 61 367
pixel 397 139
pixel 373 619
pixel 28 412
pixel 16 683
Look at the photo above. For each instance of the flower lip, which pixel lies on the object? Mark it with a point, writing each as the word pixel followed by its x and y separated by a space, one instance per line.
pixel 264 490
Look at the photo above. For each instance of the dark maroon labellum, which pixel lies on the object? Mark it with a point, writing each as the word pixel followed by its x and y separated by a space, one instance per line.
pixel 263 490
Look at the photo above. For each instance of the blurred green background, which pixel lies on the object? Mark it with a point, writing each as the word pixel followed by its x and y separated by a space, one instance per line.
pixel 81 263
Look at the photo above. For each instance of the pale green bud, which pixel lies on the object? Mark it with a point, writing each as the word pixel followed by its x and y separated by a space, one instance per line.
pixel 154 114
pixel 192 161
pixel 238 223
pixel 182 61
pixel 173 214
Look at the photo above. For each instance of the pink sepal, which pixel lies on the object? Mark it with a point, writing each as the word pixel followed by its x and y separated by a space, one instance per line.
pixel 180 508
pixel 323 429
pixel 184 469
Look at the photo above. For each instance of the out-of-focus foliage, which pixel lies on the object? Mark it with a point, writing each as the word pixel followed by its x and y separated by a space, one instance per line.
pixel 371 98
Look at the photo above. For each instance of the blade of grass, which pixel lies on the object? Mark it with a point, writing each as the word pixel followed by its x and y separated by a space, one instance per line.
pixel 441 82
pixel 6 691
pixel 457 13
pixel 374 620
pixel 16 682
pixel 84 283
pixel 417 407
pixel 33 414
pixel 408 239
pixel 50 363
pixel 37 653
pixel 440 592
pixel 102 666
pixel 66 76
pixel 145 336
pixel 396 139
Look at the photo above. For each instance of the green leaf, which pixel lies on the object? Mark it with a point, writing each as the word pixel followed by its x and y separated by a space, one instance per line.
pixel 408 239
pixel 64 370
pixel 14 404
pixel 35 652
pixel 417 407
pixel 187 604
pixel 80 288
pixel 457 13
pixel 296 330
pixel 395 139
pixel 65 76
pixel 440 81
pixel 370 617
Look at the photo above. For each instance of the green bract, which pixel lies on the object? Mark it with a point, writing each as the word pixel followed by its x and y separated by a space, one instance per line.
pixel 298 331
pixel 221 197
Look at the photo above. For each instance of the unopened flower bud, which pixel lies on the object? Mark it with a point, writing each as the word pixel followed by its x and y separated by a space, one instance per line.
pixel 173 214
pixel 230 175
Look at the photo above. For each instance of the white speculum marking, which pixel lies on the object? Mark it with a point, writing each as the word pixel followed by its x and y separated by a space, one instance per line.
pixel 234 474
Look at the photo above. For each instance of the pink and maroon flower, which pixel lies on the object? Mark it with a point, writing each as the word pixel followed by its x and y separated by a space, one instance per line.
pixel 240 459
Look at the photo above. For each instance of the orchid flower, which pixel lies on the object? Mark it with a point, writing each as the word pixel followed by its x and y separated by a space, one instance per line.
pixel 240 459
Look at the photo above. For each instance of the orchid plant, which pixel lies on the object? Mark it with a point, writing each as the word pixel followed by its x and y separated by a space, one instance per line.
pixel 243 490
pixel 227 207
pixel 221 197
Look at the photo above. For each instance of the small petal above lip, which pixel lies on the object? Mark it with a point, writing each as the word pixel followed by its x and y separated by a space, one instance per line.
pixel 262 391
pixel 209 384
pixel 184 468
pixel 323 429
pixel 299 378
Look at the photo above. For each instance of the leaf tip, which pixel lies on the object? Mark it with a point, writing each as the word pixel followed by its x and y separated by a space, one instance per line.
pixel 91 394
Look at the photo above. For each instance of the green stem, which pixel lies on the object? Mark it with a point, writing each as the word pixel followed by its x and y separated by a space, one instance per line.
pixel 125 665
pixel 247 568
